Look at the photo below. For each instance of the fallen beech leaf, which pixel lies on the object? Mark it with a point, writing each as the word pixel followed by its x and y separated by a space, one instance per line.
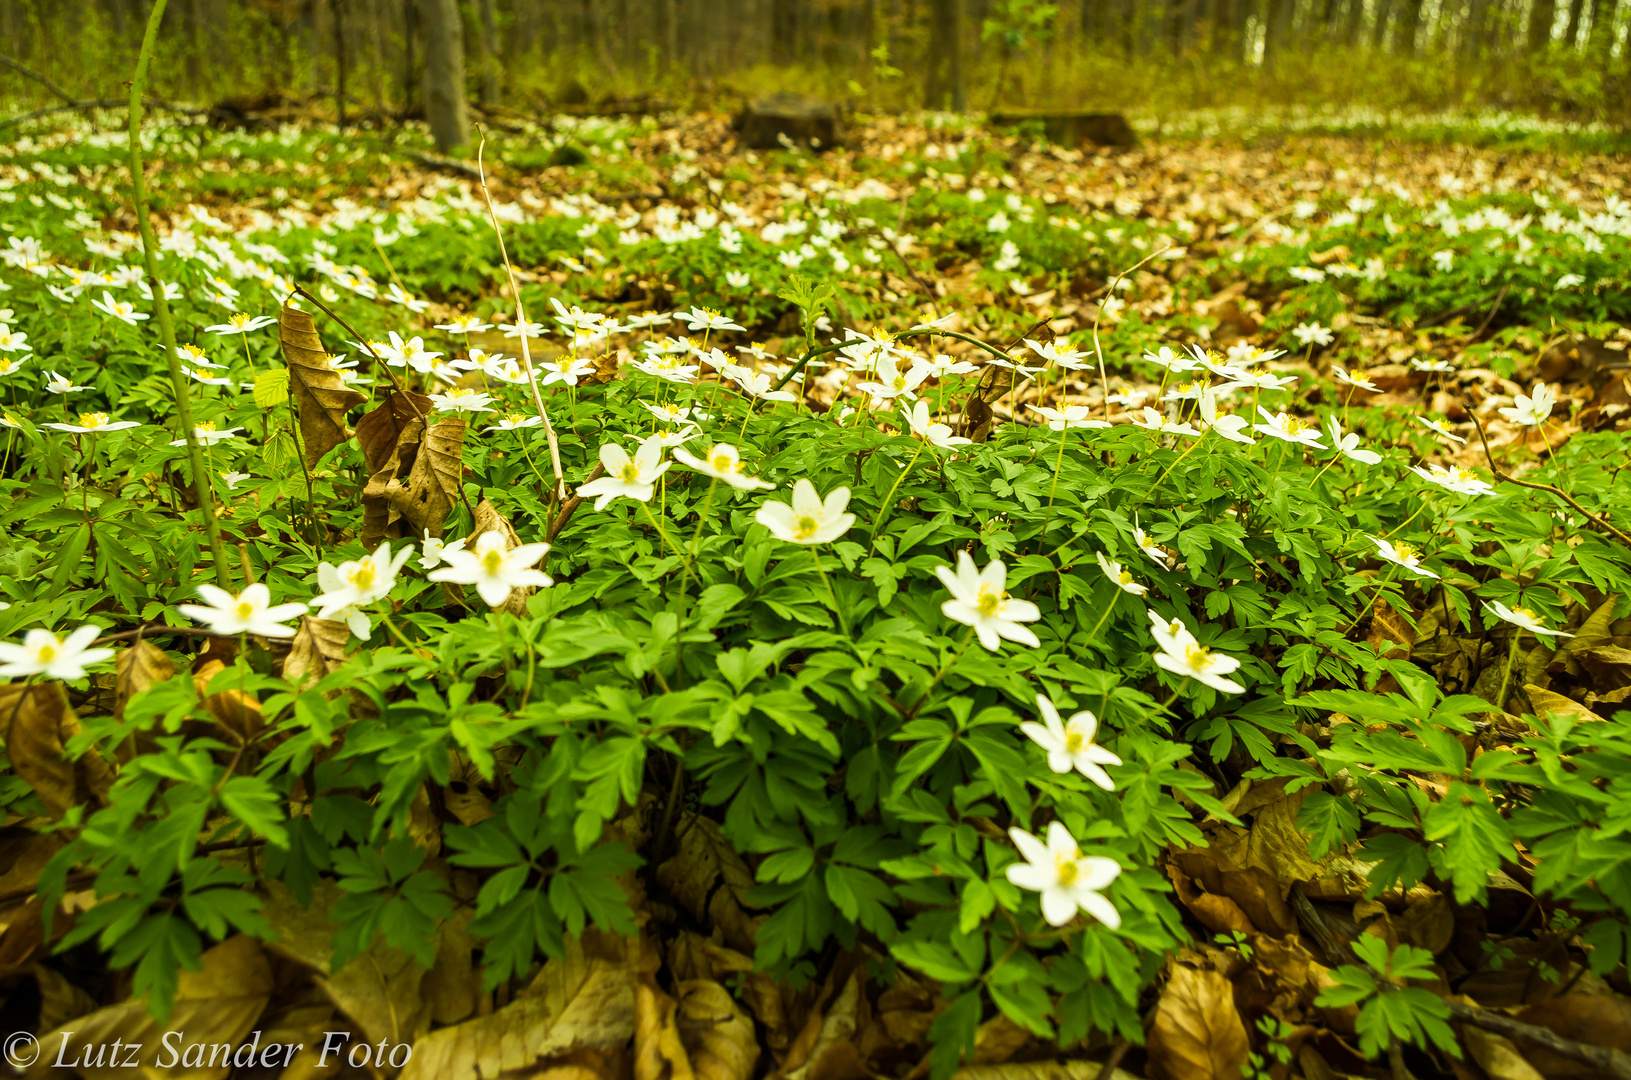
pixel 1548 704
pixel 998 1039
pixel 582 1000
pixel 396 423
pixel 218 1004
pixel 321 396
pixel 1040 1070
pixel 1427 924
pixel 705 859
pixel 434 484
pixel 1497 1056
pixel 318 648
pixel 136 669
pixel 1197 1033
pixel 37 723
pixel 658 1052
pixel 833 1055
pixel 235 710
pixel 1593 1019
pixel 380 990
pixel 60 1000
pixel 717 1034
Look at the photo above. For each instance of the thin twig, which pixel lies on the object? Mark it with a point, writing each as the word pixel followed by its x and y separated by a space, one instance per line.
pixel 30 73
pixel 570 507
pixel 521 328
pixel 1098 350
pixel 1559 492
pixel 1111 1063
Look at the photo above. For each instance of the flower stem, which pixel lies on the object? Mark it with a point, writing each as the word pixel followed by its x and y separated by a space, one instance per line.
pixel 838 609
pixel 161 306
pixel 390 624
pixel 945 669
pixel 1506 672
pixel 1108 609
pixel 889 501
pixel 1053 489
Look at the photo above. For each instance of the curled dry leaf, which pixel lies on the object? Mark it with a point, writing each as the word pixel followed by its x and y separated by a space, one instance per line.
pixel 434 484
pixel 136 669
pixel 217 1004
pixel 1498 1057
pixel 38 723
pixel 380 990
pixel 321 396
pixel 710 879
pixel 234 709
pixel 1041 1070
pixel 659 1053
pixel 829 1036
pixel 390 435
pixel 585 1000
pixel 318 648
pixel 716 1033
pixel 1197 1033
pixel 1593 1019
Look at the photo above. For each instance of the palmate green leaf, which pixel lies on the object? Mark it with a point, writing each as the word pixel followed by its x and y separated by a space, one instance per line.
pixel 1329 821
pixel 271 388
pixel 1474 840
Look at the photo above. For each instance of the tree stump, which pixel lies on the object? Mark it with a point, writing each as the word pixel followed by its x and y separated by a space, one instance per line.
pixel 787 120
pixel 1077 129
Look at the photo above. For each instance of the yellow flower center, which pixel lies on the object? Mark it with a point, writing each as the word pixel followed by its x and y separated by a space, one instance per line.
pixel 47 653
pixel 1067 871
pixel 723 463
pixel 5 365
pixel 1523 613
pixel 1406 553
pixel 1195 656
pixel 459 393
pixel 629 474
pixel 1462 474
pixel 92 419
pixel 239 320
pixel 1074 741
pixel 205 426
pixel 805 527
pixel 514 419
pixel 363 576
pixel 492 561
pixel 990 601
pixel 245 609
pixel 900 382
pixel 1291 425
pixel 1125 577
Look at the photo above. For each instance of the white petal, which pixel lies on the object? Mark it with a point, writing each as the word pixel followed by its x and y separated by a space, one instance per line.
pixel 1058 906
pixel 1098 907
pixel 1032 849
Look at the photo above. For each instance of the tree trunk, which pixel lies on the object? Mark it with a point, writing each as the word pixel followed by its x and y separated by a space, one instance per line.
pixel 489 52
pixel 337 10
pixel 444 73
pixel 1572 34
pixel 1541 17
pixel 410 68
pixel 1600 38
pixel 943 84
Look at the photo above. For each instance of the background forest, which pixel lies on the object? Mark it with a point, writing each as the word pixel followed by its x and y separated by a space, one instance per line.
pixel 1566 58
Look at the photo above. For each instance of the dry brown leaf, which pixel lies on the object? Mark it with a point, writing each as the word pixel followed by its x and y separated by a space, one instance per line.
pixel 1040 1070
pixel 321 397
pixel 705 859
pixel 1546 703
pixel 488 519
pixel 1197 1033
pixel 318 648
pixel 1497 1056
pixel 453 986
pixel 136 669
pixel 434 484
pixel 1593 1019
pixel 386 430
pixel 60 1000
pixel 1428 924
pixel 218 1004
pixel 832 1054
pixel 998 1039
pixel 38 723
pixel 585 1000
pixel 717 1035
pixel 380 990
pixel 658 1052
pixel 234 709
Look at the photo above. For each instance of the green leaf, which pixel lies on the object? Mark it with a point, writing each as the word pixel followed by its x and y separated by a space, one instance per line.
pixel 271 388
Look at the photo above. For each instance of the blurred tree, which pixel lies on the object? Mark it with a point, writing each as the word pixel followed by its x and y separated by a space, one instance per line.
pixel 445 108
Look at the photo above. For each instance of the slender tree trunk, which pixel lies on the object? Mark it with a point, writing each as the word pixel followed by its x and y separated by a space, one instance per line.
pixel 444 73
pixel 337 10
pixel 410 67
pixel 489 52
pixel 1541 17
pixel 1601 36
pixel 1577 8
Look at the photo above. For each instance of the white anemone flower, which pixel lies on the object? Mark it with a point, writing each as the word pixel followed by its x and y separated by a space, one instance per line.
pixel 123 310
pixel 722 462
pixel 1150 420
pixel 1182 655
pixel 1402 555
pixel 239 323
pixel 94 423
pixel 1522 618
pixel 1437 428
pixel 516 421
pixel 207 433
pixel 43 653
pixel 979 600
pixel 433 551
pixel 1348 445
pixel 358 582
pixel 1151 548
pixel 1229 425
pixel 1532 409
pixel 1288 427
pixel 628 477
pixel 1122 577
pixel 706 319
pixel 1069 743
pixel 1071 416
pixel 809 519
pixel 1068 880
pixel 250 612
pixel 494 567
pixel 1354 379
pixel 462 399
pixel 918 419
pixel 1457 478
pixel 469 324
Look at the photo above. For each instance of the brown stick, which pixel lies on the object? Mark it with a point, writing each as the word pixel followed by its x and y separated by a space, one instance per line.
pixel 1559 492
pixel 571 505
pixel 1117 1052
pixel 30 73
